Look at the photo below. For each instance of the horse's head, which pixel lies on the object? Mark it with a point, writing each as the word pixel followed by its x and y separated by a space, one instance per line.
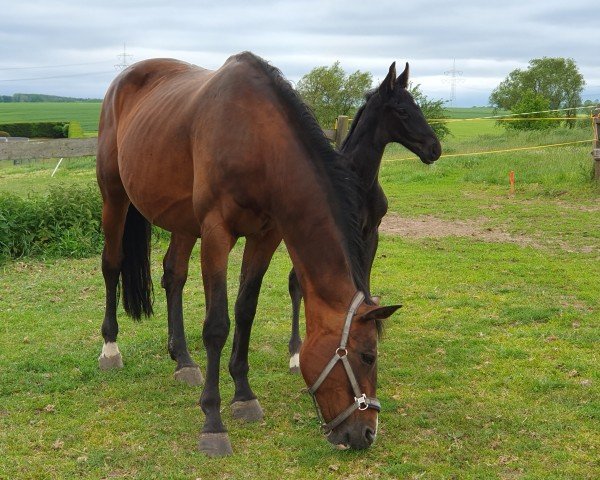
pixel 401 118
pixel 339 365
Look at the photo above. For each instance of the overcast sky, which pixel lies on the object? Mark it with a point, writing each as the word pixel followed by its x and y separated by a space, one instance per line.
pixel 70 48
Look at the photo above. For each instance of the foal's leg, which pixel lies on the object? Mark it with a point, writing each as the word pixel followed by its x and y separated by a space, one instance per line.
pixel 175 266
pixel 114 213
pixel 257 255
pixel 295 340
pixel 216 245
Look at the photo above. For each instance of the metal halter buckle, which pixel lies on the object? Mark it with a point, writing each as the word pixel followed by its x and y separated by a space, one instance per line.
pixel 362 402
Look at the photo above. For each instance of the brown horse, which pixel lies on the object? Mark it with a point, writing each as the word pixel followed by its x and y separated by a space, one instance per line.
pixel 388 115
pixel 219 155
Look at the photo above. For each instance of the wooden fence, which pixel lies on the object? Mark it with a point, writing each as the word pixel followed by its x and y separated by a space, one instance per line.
pixel 596 150
pixel 18 151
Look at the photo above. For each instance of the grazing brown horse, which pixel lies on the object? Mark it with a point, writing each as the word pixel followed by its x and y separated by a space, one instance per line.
pixel 219 155
pixel 389 114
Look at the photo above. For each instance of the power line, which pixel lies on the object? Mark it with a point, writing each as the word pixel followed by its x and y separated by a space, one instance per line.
pixel 52 66
pixel 54 76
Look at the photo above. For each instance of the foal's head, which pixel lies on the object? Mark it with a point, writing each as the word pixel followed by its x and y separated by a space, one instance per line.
pixel 400 119
pixel 343 391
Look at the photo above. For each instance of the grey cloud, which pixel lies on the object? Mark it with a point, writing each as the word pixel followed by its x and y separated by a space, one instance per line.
pixel 488 40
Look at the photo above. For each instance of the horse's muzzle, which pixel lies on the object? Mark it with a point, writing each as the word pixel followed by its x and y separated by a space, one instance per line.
pixel 356 436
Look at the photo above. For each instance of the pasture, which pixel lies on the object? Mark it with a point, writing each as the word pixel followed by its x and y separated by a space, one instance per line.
pixel 490 370
pixel 86 113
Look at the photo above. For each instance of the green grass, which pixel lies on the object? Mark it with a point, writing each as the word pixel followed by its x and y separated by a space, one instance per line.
pixel 86 113
pixel 489 371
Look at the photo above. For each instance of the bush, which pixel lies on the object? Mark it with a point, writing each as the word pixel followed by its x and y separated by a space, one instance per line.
pixel 530 102
pixel 66 222
pixel 4 134
pixel 36 129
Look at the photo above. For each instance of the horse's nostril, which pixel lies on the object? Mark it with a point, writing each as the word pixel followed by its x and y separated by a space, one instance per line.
pixel 369 435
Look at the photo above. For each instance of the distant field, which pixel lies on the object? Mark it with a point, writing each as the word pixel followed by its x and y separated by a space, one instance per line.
pixel 474 112
pixel 87 114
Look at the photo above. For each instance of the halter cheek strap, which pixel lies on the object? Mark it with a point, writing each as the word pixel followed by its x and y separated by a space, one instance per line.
pixel 361 401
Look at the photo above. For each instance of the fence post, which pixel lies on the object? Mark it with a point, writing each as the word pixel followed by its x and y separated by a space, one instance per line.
pixel 341 130
pixel 596 151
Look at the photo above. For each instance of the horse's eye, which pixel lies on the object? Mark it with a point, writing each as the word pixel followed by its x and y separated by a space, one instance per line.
pixel 401 112
pixel 367 358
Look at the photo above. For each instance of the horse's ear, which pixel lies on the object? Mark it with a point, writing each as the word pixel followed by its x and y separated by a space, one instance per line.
pixel 387 86
pixel 379 313
pixel 403 78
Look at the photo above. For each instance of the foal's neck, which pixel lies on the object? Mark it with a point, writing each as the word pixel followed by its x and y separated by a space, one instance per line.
pixel 364 149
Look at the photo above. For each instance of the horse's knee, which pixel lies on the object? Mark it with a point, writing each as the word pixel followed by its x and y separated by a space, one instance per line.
pixel 215 332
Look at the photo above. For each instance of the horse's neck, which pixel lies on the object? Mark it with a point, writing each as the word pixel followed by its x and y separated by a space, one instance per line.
pixel 314 241
pixel 320 261
pixel 364 150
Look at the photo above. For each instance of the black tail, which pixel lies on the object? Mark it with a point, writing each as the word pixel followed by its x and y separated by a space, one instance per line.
pixel 138 293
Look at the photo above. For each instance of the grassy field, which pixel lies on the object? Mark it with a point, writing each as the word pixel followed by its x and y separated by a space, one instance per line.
pixel 87 114
pixel 489 371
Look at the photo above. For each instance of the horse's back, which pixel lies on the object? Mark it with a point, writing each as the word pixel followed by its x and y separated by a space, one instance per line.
pixel 142 128
pixel 182 141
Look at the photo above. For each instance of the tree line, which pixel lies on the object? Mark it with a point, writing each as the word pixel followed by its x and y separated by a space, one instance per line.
pixel 38 98
pixel 549 83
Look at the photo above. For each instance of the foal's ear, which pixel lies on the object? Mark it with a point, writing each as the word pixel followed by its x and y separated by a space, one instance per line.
pixel 403 78
pixel 387 86
pixel 379 313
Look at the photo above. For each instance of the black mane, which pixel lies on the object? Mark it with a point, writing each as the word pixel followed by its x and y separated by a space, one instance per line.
pixel 357 116
pixel 343 187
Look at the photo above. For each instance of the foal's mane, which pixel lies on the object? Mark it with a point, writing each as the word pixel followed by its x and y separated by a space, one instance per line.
pixel 357 116
pixel 341 183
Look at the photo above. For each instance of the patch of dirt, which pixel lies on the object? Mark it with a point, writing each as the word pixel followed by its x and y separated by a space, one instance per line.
pixel 428 226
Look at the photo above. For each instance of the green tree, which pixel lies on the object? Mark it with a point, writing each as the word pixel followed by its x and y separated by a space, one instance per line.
pixel 530 102
pixel 330 92
pixel 556 79
pixel 432 109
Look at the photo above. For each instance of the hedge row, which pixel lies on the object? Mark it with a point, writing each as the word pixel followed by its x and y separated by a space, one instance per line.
pixel 43 129
pixel 64 223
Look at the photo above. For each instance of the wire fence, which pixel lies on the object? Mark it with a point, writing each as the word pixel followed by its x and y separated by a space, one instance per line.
pixel 594 112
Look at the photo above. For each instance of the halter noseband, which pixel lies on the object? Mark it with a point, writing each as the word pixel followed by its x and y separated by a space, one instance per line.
pixel 361 401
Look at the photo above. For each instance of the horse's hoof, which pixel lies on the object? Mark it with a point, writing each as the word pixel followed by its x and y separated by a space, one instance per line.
pixel 215 444
pixel 190 376
pixel 295 363
pixel 248 411
pixel 109 363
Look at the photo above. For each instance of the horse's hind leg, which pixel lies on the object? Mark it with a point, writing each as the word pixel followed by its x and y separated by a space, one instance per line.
pixel 114 213
pixel 217 242
pixel 295 340
pixel 257 256
pixel 175 265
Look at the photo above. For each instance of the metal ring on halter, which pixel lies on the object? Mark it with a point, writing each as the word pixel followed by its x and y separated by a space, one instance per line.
pixel 362 402
pixel 345 350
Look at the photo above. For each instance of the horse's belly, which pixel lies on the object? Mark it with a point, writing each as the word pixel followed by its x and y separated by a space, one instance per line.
pixel 163 194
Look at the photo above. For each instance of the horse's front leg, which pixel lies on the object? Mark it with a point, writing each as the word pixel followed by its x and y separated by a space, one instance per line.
pixel 217 242
pixel 257 256
pixel 175 267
